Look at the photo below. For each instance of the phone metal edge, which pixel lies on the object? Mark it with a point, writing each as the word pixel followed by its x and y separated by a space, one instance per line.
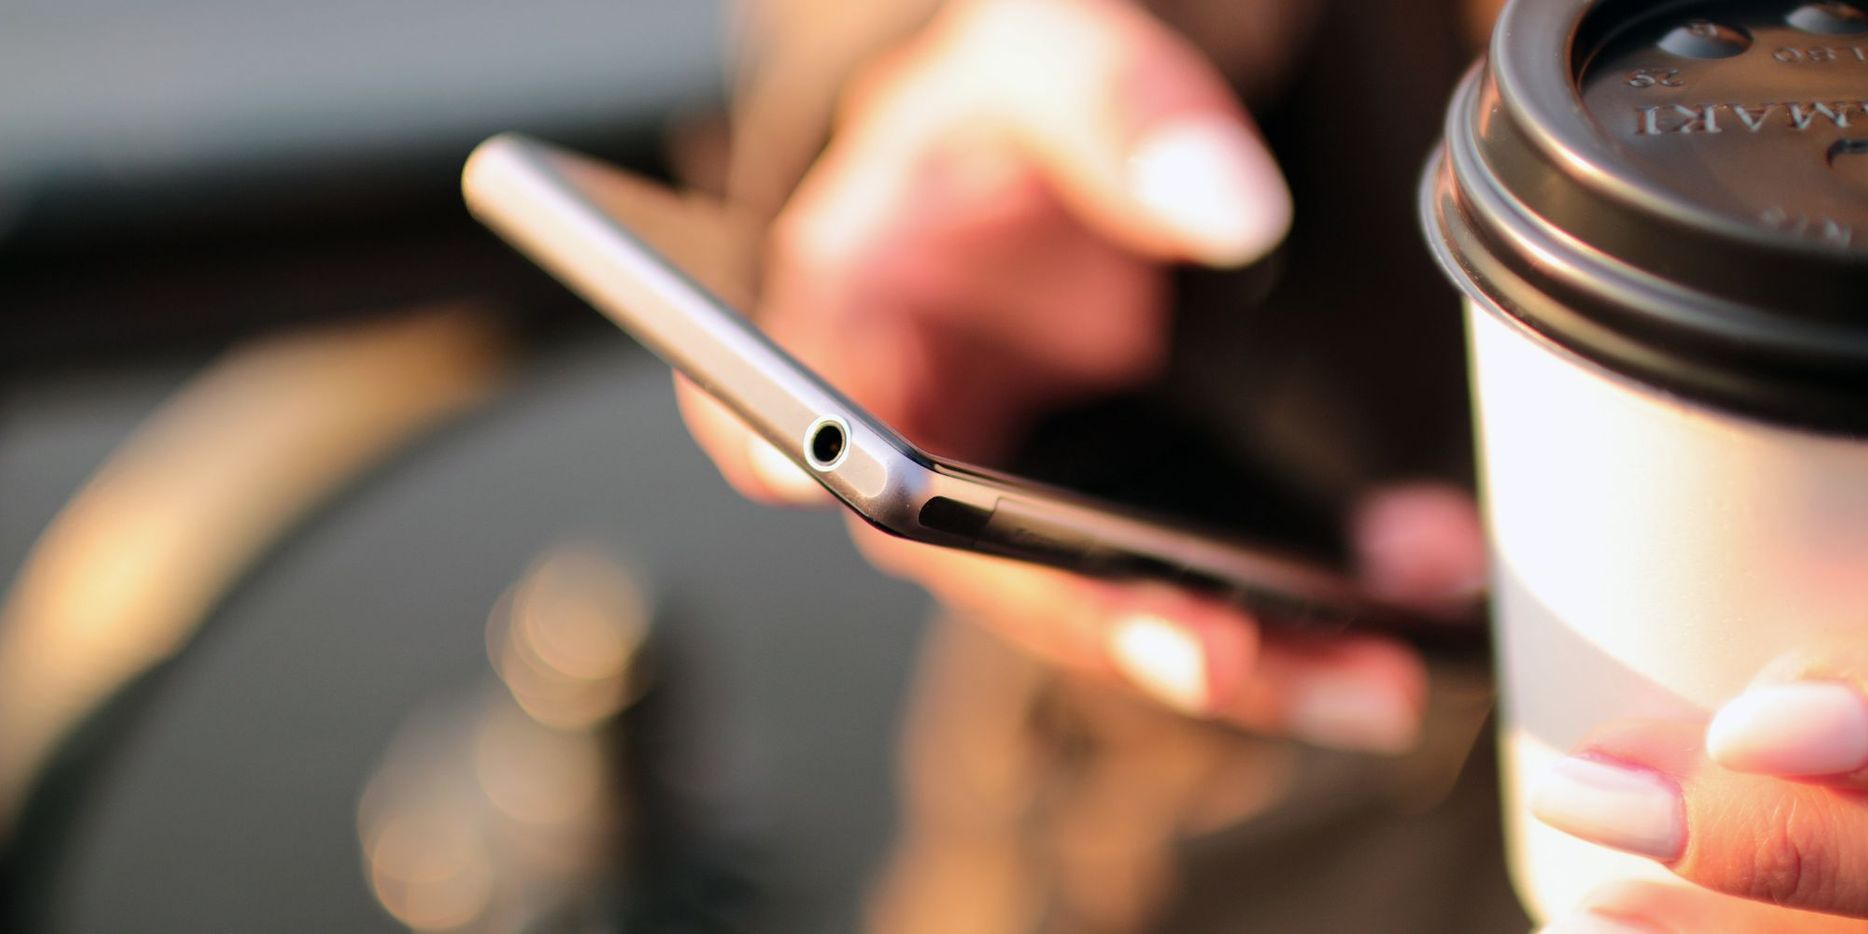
pixel 517 187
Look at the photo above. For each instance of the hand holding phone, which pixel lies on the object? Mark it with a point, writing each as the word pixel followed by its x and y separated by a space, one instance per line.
pixel 558 208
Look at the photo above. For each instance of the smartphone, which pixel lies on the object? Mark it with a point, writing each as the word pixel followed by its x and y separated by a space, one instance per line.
pixel 572 216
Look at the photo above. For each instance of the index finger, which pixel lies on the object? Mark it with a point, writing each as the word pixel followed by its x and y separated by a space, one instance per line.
pixel 1202 656
pixel 1646 787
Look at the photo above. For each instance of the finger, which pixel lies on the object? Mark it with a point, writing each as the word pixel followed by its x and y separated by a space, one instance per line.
pixel 1053 614
pixel 1137 130
pixel 953 293
pixel 1645 787
pixel 1421 545
pixel 936 265
pixel 750 464
pixel 1658 908
pixel 1805 717
pixel 1355 692
pixel 1200 656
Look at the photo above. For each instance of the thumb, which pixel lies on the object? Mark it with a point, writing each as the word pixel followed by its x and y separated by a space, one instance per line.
pixel 1645 787
pixel 1135 129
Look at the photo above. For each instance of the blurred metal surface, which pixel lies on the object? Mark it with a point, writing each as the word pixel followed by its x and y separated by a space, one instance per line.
pixel 511 808
pixel 226 799
pixel 566 638
pixel 121 579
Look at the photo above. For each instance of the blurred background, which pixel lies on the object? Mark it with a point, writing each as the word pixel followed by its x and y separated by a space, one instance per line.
pixel 357 577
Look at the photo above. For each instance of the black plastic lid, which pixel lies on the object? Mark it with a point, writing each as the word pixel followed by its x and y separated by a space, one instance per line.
pixel 1677 191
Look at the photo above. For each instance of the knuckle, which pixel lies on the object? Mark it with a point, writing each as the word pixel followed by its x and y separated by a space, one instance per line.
pixel 1789 863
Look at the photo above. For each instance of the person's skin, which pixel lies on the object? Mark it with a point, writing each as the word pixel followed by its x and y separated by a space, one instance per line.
pixel 1768 802
pixel 988 236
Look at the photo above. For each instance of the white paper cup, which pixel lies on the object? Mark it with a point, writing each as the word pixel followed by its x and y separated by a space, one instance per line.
pixel 1670 380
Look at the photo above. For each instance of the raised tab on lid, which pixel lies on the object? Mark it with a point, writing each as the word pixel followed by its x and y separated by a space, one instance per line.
pixel 1832 18
pixel 1747 133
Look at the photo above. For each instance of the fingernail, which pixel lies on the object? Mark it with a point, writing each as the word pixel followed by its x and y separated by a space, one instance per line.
pixel 1589 922
pixel 1623 807
pixel 1210 180
pixel 1165 660
pixel 780 475
pixel 1410 574
pixel 1810 728
pixel 1345 713
pixel 1420 546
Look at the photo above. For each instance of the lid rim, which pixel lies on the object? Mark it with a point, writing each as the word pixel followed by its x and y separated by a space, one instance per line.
pixel 1554 124
pixel 1822 409
pixel 1530 207
pixel 1638 297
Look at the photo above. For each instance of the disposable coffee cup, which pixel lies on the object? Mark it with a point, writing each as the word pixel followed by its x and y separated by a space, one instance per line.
pixel 1658 215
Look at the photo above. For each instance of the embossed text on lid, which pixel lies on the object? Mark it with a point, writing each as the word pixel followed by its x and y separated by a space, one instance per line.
pixel 1748 133
pixel 1675 189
